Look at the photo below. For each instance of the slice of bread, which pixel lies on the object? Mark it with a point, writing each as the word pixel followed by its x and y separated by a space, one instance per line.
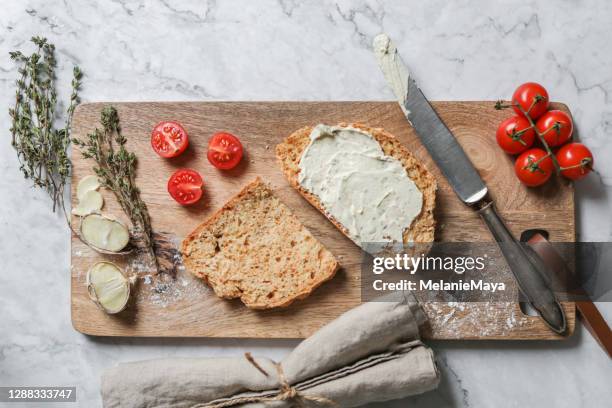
pixel 254 248
pixel 422 229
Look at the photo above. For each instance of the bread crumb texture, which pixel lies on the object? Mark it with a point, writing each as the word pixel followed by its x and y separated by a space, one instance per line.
pixel 254 248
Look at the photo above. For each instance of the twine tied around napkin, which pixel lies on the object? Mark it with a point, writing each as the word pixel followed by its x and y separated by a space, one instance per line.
pixel 370 353
pixel 285 393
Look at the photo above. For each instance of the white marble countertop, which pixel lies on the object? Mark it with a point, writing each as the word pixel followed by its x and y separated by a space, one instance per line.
pixel 294 50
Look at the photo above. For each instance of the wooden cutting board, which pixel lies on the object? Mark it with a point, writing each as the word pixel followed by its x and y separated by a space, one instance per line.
pixel 186 307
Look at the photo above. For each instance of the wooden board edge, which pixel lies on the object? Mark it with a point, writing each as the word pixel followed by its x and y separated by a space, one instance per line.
pixel 544 335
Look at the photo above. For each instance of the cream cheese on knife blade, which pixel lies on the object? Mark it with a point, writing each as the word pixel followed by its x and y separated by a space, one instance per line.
pixel 366 191
pixel 392 67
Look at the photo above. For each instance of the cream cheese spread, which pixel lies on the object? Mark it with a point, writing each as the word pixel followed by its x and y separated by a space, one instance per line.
pixel 366 191
pixel 393 68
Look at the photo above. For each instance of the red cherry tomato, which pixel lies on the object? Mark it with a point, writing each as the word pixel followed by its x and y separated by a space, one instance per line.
pixel 224 150
pixel 532 97
pixel 575 160
pixel 515 135
pixel 169 139
pixel 556 126
pixel 533 167
pixel 185 186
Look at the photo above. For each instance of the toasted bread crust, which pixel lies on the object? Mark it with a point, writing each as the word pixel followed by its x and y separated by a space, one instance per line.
pixel 422 229
pixel 308 263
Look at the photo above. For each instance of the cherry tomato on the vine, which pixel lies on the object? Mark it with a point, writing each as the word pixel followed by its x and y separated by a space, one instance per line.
pixel 532 98
pixel 534 167
pixel 185 186
pixel 575 160
pixel 556 127
pixel 169 139
pixel 515 135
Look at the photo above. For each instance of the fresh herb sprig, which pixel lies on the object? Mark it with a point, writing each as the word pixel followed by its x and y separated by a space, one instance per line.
pixel 116 169
pixel 42 149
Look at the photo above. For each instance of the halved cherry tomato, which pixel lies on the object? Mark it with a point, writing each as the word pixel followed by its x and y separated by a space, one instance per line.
pixel 224 150
pixel 169 139
pixel 515 135
pixel 575 160
pixel 556 127
pixel 532 98
pixel 185 186
pixel 534 167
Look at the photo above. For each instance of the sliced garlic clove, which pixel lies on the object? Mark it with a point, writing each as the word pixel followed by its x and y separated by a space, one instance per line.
pixel 91 201
pixel 108 287
pixel 104 233
pixel 87 183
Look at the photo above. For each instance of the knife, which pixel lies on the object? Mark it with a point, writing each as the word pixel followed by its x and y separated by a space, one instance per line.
pixel 466 182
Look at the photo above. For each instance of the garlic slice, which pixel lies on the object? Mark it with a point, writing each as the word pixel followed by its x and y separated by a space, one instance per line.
pixel 87 183
pixel 90 202
pixel 108 287
pixel 104 233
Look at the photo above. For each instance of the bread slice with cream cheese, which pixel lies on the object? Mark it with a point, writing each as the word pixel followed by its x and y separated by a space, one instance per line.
pixel 289 154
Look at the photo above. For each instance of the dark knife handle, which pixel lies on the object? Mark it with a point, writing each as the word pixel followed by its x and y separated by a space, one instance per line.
pixel 529 274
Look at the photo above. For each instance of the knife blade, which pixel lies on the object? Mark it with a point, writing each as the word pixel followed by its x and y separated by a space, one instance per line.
pixel 463 177
pixel 440 143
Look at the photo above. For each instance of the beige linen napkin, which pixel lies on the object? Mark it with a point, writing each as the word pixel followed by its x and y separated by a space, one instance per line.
pixel 370 353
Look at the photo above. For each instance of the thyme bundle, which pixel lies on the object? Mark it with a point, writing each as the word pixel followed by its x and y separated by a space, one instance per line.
pixel 116 170
pixel 42 149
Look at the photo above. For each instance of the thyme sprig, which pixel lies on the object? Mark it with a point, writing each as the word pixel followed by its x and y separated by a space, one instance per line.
pixel 116 169
pixel 42 149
